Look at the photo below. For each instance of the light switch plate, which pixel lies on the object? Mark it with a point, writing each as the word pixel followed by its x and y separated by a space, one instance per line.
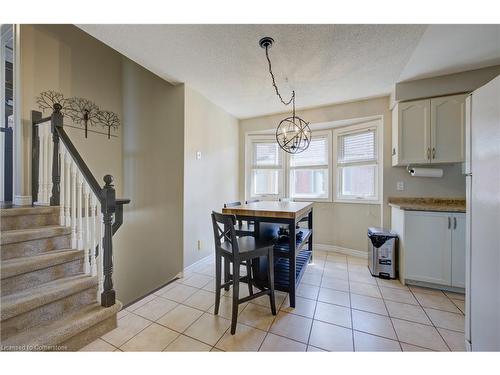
pixel 400 186
pixel 198 155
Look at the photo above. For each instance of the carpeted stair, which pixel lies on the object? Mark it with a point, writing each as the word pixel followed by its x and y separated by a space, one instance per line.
pixel 47 302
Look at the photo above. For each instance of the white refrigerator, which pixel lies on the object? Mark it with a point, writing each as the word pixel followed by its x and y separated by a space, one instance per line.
pixel 482 168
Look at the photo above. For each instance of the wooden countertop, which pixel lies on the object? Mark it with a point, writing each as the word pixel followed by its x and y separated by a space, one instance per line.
pixel 285 210
pixel 428 204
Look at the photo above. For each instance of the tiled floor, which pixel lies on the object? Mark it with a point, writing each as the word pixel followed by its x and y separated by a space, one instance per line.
pixel 340 307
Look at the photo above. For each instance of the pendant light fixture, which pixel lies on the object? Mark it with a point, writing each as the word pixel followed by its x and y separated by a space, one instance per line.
pixel 293 133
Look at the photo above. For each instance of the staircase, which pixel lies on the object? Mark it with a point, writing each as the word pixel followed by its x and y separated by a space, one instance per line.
pixel 47 301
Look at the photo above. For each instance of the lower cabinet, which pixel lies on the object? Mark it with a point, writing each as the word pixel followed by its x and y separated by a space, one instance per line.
pixel 432 246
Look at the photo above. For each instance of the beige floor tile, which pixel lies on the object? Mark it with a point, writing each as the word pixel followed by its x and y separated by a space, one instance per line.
pixel 391 283
pixel 334 296
pixel 460 304
pixel 458 296
pixel 98 345
pixel 336 258
pixel 331 337
pixel 365 289
pixel 311 348
pixel 187 344
pixel 179 293
pixel 447 320
pixel 197 280
pixel 292 326
pixel 210 287
pixel 363 342
pixel 245 339
pixel 307 291
pixel 333 314
pixel 141 302
pixel 208 270
pixel 152 339
pixel 180 318
pixel 314 270
pixel 243 291
pixel 373 323
pixel 311 279
pixel 398 295
pixel 274 343
pixel 405 311
pixel 362 278
pixel 127 328
pixel 359 268
pixel 336 273
pixel 303 307
pixel 423 290
pixel 122 313
pixel 256 316
pixel 370 304
pixel 419 334
pixel 332 265
pixel 226 307
pixel 455 340
pixel 155 308
pixel 357 260
pixel 217 350
pixel 159 292
pixel 208 328
pixel 279 298
pixel 436 302
pixel 413 348
pixel 337 284
pixel 201 300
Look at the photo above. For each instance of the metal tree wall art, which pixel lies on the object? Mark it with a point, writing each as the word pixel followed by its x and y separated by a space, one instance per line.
pixel 108 120
pixel 80 110
pixel 83 111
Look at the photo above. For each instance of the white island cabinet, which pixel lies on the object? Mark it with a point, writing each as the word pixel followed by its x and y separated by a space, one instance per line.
pixel 431 247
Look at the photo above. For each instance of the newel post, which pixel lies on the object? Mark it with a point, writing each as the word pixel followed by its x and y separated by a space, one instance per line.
pixel 108 208
pixel 56 121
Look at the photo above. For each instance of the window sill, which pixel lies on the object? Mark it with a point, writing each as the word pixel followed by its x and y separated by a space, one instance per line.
pixel 358 201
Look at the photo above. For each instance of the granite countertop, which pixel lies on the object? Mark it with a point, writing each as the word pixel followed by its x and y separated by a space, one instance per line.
pixel 428 204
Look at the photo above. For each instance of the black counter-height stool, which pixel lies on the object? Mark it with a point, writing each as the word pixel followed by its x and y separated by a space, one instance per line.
pixel 242 227
pixel 237 250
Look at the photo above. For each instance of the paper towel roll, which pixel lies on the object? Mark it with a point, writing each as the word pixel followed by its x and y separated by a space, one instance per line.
pixel 426 172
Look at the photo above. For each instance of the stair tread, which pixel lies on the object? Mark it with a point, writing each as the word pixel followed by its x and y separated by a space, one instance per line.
pixel 21 235
pixel 20 211
pixel 17 266
pixel 29 299
pixel 57 332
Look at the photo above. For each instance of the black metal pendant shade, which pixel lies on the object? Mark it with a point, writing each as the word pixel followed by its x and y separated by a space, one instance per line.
pixel 293 133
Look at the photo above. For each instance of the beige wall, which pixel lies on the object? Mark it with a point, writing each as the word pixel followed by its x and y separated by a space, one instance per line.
pixel 149 245
pixel 211 180
pixel 65 59
pixel 345 224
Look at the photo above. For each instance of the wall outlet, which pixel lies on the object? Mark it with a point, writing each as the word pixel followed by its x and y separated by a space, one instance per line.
pixel 199 244
pixel 400 186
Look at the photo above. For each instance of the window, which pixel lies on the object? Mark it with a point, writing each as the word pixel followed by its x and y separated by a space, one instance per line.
pixel 309 170
pixel 357 164
pixel 345 161
pixel 266 171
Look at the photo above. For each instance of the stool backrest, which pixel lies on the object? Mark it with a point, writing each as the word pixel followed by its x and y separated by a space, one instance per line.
pixel 223 225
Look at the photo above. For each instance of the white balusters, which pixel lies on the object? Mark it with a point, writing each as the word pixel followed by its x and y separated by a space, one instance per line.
pixel 62 219
pixel 73 206
pixel 94 238
pixel 67 179
pixel 79 210
pixel 100 267
pixel 86 232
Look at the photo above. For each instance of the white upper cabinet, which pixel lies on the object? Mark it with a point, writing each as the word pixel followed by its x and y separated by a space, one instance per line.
pixel 429 131
pixel 448 129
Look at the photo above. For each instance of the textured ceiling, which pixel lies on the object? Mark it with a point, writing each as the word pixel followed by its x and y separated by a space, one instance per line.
pixel 324 63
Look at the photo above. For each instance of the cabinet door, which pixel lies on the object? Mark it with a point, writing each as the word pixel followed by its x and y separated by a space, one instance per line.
pixel 428 247
pixel 458 251
pixel 414 132
pixel 448 129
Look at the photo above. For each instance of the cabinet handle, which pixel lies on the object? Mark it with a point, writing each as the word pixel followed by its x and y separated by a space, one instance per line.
pixel 434 153
pixel 454 223
pixel 449 222
pixel 429 153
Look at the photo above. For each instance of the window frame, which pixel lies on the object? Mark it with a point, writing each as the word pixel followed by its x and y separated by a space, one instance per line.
pixel 332 134
pixel 352 129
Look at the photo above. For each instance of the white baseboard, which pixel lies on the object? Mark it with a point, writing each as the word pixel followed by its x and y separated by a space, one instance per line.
pixel 22 200
pixel 342 250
